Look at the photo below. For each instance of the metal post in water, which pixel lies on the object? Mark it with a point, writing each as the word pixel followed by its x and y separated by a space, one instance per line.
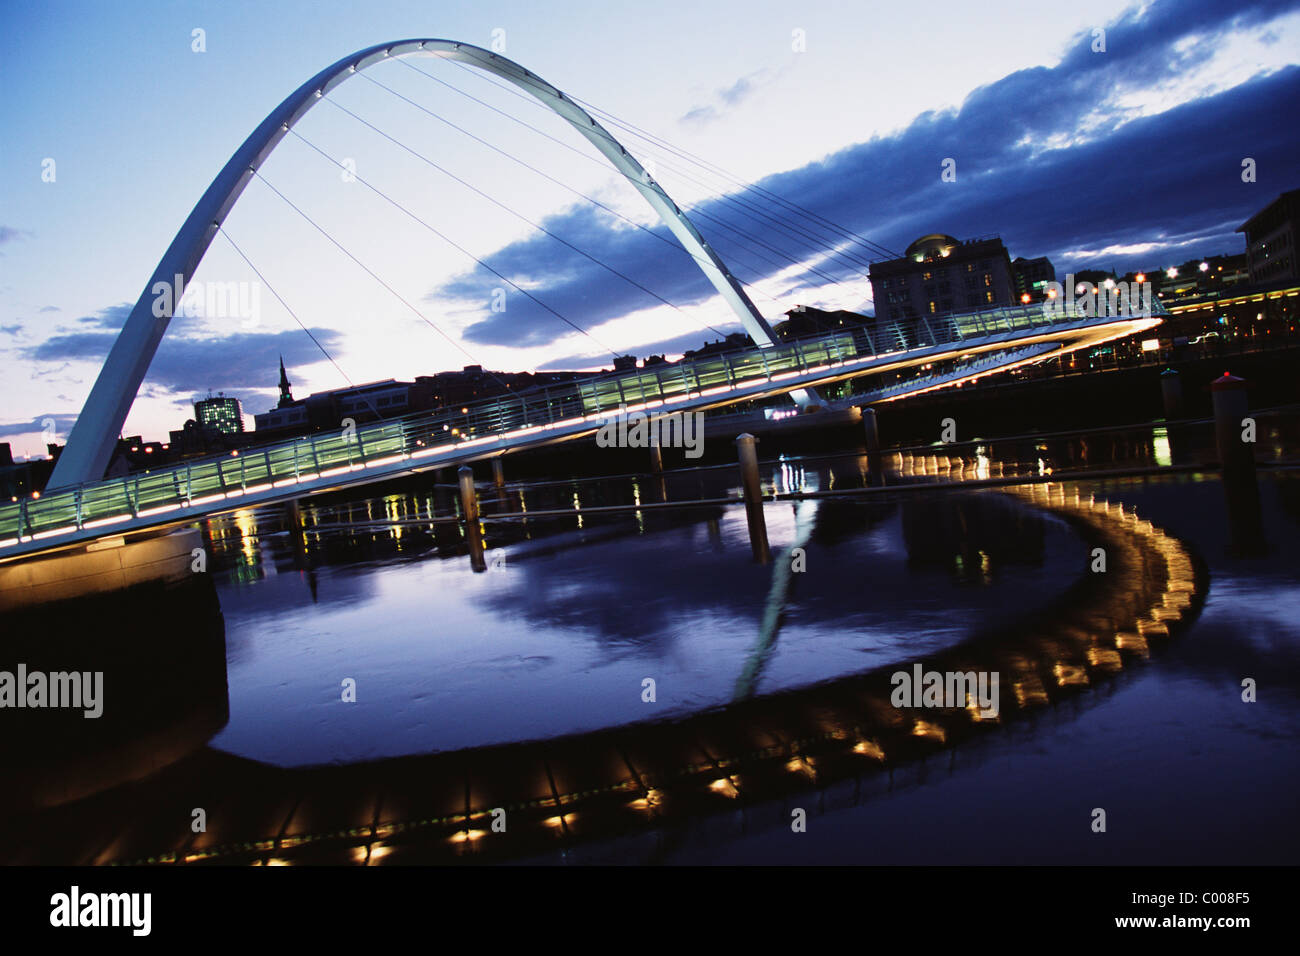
pixel 747 449
pixel 498 472
pixel 293 512
pixel 469 509
pixel 1236 454
pixel 871 430
pixel 871 434
pixel 468 498
pixel 1171 390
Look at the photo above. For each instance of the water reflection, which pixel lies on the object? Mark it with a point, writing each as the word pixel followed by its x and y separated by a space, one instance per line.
pixel 757 749
pixel 777 678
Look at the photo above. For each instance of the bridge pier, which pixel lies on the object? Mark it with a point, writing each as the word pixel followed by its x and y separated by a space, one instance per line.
pixel 657 471
pixel 293 511
pixel 747 449
pixel 109 564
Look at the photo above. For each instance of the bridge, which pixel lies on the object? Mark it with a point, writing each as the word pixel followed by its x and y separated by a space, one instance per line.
pixel 80 506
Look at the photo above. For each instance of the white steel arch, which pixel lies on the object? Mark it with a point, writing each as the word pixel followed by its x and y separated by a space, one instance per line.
pixel 93 437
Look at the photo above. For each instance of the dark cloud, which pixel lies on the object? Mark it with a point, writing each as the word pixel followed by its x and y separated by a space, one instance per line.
pixel 62 424
pixel 113 317
pixel 192 365
pixel 11 329
pixel 570 289
pixel 1166 179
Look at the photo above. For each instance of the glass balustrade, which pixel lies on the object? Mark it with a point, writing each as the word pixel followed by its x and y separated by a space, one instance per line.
pixel 536 408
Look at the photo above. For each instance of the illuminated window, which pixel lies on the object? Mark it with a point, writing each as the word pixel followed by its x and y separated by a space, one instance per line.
pixel 932 305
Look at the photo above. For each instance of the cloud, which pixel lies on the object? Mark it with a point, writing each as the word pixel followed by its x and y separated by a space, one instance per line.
pixel 113 317
pixel 192 365
pixel 50 372
pixel 50 308
pixel 574 284
pixel 11 329
pixel 1058 160
pixel 9 234
pixel 62 424
pixel 729 97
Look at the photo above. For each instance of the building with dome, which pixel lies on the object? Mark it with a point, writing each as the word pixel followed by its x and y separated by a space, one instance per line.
pixel 939 273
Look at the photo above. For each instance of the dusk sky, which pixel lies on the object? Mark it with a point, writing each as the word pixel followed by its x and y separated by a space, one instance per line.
pixel 1127 158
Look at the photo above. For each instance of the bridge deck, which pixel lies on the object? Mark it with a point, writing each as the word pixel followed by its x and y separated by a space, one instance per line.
pixel 348 456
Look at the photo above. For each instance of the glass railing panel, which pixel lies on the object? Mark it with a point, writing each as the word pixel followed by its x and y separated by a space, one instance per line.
pixel 670 381
pixel 52 511
pixel 228 474
pixel 633 390
pixel 711 373
pixel 651 387
pixel 601 395
pixel 104 500
pixel 384 441
pixel 285 462
pixel 158 488
pixel 254 470
pixel 747 365
pixel 334 450
pixel 204 479
pixel 10 516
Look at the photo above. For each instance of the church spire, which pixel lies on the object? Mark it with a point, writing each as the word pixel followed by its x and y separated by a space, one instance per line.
pixel 286 397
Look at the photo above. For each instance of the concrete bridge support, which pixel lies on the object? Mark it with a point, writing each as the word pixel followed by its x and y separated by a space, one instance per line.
pixel 109 564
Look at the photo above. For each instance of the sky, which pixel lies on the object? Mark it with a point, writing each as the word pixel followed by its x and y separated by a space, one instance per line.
pixel 426 216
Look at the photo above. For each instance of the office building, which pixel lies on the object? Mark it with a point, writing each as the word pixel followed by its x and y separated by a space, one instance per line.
pixel 220 414
pixel 939 274
pixel 1271 240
